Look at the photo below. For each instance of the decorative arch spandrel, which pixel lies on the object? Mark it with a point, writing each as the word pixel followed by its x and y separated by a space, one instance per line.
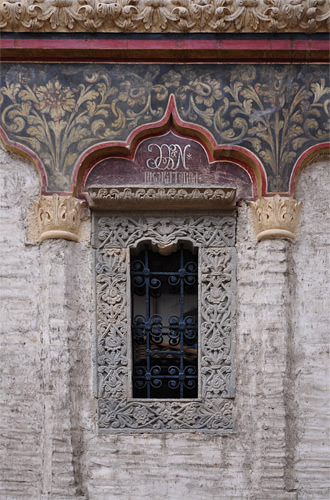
pixel 59 112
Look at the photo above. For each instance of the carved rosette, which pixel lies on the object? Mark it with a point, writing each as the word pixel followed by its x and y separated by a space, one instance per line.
pixel 56 216
pixel 276 217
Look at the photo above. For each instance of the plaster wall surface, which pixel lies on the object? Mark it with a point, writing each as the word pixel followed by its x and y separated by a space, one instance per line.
pixel 49 444
pixel 311 331
pixel 21 383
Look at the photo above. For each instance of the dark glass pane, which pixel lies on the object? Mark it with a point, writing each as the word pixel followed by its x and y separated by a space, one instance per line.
pixel 164 324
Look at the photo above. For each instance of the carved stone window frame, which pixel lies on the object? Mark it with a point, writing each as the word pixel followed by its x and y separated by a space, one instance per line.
pixel 206 218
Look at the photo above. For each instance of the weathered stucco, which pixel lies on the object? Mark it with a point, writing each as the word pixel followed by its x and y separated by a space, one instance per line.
pixel 50 448
pixel 310 320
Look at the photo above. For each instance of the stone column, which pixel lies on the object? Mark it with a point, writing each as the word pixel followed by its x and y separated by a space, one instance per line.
pixel 275 222
pixel 58 475
pixel 56 219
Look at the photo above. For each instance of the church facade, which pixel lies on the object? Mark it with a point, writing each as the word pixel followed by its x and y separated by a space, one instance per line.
pixel 165 250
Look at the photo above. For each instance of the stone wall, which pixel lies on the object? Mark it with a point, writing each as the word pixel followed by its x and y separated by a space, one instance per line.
pixel 50 448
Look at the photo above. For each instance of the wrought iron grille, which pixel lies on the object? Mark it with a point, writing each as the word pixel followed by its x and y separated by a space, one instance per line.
pixel 165 324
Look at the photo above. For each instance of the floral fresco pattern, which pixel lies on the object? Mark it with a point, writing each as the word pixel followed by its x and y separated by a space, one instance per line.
pixel 59 111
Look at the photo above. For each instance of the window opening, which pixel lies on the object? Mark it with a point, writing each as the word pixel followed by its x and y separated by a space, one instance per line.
pixel 164 292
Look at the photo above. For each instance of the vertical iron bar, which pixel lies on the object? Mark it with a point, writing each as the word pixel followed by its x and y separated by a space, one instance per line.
pixel 146 266
pixel 181 320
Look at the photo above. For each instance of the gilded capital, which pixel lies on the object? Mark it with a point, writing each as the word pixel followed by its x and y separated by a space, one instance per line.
pixel 276 217
pixel 56 217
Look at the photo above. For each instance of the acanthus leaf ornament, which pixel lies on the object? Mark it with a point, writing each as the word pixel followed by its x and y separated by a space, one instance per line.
pixel 276 217
pixel 203 10
pixel 219 21
pixel 282 16
pixel 58 13
pixel 315 14
pixel 155 12
pixel 181 10
pixel 117 13
pixel 55 216
pixel 11 13
pixel 247 14
pixel 159 16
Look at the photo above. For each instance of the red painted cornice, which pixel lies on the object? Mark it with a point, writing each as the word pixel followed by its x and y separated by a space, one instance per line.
pixel 282 50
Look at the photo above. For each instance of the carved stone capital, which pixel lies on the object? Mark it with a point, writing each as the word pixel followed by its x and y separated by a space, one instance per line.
pixel 276 217
pixel 55 217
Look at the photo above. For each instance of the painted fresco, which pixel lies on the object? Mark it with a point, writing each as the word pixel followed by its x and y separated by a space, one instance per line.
pixel 58 111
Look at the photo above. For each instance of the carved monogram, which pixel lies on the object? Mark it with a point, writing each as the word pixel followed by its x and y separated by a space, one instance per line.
pixel 170 157
pixel 215 237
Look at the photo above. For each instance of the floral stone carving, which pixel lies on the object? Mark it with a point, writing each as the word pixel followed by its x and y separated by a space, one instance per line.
pixel 56 216
pixel 156 198
pixel 276 217
pixel 212 412
pixel 158 16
